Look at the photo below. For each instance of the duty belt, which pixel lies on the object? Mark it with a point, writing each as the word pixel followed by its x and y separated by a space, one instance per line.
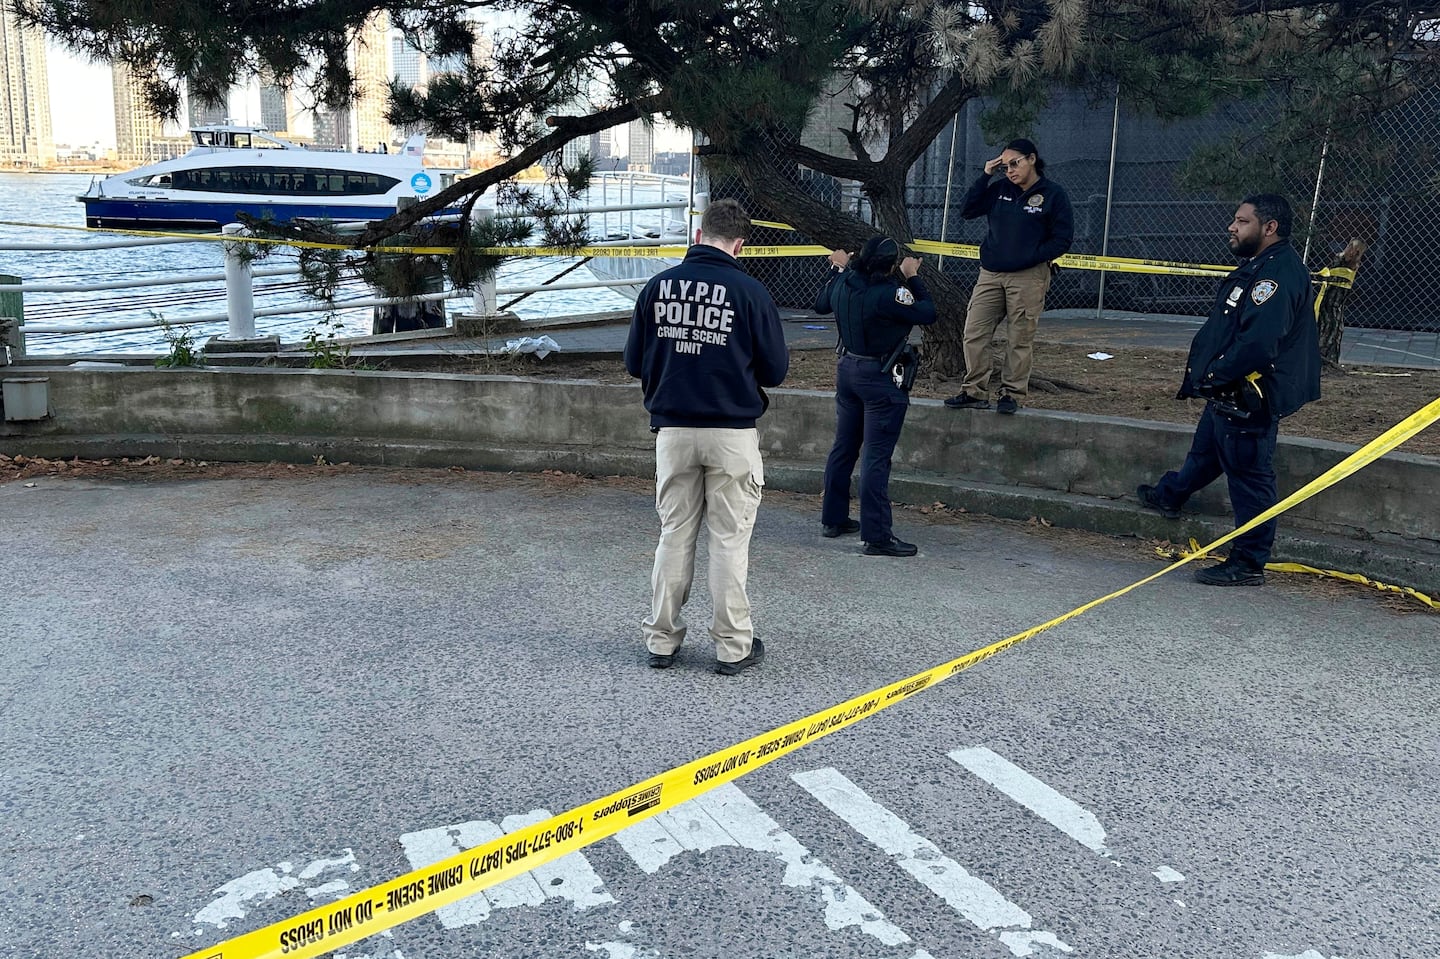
pixel 846 351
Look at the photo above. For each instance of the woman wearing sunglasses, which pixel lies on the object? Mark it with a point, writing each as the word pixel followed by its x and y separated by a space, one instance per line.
pixel 1030 225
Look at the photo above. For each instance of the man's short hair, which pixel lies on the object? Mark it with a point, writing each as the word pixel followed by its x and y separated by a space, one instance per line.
pixel 725 220
pixel 1272 206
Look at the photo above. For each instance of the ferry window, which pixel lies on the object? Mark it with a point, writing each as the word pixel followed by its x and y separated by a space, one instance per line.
pixel 268 180
pixel 242 141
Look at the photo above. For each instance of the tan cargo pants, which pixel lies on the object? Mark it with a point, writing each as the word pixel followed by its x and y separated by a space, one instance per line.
pixel 716 474
pixel 1018 299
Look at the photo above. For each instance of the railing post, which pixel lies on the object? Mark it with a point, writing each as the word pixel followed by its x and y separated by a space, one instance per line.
pixel 483 299
pixel 12 305
pixel 239 289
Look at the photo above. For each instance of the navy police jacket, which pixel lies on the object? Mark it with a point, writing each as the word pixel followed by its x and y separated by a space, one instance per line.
pixel 874 316
pixel 704 338
pixel 1024 227
pixel 1263 321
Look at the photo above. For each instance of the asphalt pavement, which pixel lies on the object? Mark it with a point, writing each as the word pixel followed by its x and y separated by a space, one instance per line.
pixel 225 702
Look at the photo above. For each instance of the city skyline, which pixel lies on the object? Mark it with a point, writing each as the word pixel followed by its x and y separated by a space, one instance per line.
pixel 81 98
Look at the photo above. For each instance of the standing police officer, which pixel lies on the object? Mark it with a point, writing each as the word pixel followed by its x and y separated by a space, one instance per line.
pixel 876 302
pixel 705 339
pixel 1256 359
pixel 1029 224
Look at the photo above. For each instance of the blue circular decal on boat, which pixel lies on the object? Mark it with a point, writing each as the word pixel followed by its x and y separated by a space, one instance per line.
pixel 420 183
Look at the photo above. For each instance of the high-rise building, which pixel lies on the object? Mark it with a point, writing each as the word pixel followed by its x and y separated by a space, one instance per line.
pixel 370 64
pixel 25 133
pixel 202 114
pixel 332 129
pixel 642 146
pixel 274 107
pixel 140 135
pixel 407 64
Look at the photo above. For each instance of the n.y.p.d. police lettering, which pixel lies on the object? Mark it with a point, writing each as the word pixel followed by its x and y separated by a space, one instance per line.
pixel 693 314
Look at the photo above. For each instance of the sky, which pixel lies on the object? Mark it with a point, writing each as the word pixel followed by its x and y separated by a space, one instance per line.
pixel 82 104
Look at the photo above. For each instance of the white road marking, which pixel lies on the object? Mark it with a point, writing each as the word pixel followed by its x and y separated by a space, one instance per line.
pixel 569 877
pixel 429 846
pixel 980 903
pixel 1166 874
pixel 615 950
pixel 264 884
pixel 1064 814
pixel 725 816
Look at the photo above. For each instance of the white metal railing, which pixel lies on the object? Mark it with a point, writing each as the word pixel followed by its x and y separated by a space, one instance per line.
pixel 240 312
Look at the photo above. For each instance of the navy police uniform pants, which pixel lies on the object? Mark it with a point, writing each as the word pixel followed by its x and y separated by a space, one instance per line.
pixel 1245 454
pixel 869 412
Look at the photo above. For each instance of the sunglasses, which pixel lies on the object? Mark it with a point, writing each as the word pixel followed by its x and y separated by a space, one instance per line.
pixel 1012 164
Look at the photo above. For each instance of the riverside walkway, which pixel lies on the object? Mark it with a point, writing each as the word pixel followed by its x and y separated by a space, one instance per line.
pixel 228 701
pixel 606 334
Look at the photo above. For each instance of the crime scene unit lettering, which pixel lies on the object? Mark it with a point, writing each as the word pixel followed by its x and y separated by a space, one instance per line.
pixel 694 314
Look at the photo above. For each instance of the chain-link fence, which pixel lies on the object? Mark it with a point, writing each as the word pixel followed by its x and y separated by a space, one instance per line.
pixel 1144 212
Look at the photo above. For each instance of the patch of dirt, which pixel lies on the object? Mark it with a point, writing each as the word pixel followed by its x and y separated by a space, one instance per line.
pixel 1355 406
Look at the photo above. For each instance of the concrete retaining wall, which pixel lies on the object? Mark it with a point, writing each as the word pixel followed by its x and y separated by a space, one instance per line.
pixel 1074 470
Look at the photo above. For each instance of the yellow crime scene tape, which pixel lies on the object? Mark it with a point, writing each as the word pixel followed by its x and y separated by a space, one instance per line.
pixel 422 891
pixel 1333 276
pixel 1198 552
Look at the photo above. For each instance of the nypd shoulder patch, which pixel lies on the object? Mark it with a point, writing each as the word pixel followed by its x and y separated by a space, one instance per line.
pixel 904 297
pixel 1263 290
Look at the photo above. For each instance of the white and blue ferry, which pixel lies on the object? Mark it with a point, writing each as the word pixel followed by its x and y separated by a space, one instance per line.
pixel 235 169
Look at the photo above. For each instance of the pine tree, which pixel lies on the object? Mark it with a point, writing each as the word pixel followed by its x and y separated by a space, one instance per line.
pixel 746 74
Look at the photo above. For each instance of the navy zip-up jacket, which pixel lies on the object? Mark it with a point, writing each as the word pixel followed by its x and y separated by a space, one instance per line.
pixel 1263 321
pixel 875 316
pixel 704 338
pixel 1025 227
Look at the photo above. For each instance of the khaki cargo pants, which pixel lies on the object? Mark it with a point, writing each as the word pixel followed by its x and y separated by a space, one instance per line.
pixel 1018 299
pixel 717 475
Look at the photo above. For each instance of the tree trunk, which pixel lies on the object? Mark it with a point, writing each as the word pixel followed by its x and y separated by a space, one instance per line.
pixel 943 342
pixel 1332 308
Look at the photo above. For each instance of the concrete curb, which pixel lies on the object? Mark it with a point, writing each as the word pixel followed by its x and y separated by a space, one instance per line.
pixel 1388 561
pixel 1075 471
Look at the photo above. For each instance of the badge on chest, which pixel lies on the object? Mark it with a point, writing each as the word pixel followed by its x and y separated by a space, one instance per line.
pixel 1234 298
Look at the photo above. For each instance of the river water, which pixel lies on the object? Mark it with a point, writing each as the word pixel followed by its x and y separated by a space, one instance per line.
pixel 48 202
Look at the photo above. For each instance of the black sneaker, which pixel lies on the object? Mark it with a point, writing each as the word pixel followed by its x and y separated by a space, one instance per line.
pixel 891 547
pixel 1006 404
pixel 1146 493
pixel 964 401
pixel 1232 572
pixel 663 660
pixel 757 653
pixel 844 528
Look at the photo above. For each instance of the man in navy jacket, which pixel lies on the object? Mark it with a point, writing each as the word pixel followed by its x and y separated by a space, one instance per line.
pixel 1256 360
pixel 705 339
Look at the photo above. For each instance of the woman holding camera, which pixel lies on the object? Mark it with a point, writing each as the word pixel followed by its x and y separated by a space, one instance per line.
pixel 877 298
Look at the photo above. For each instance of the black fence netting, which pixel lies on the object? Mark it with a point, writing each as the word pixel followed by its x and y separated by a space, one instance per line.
pixel 1145 211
